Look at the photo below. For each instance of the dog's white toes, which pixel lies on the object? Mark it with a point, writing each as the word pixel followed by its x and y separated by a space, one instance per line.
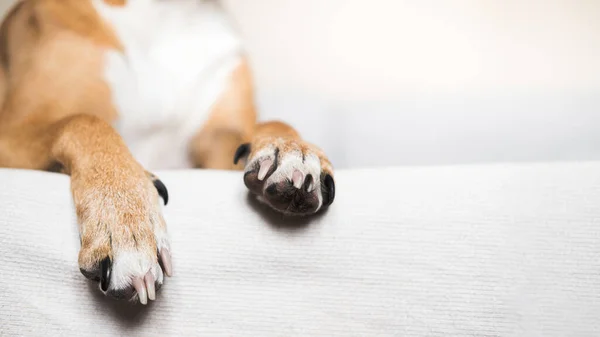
pixel 165 258
pixel 140 288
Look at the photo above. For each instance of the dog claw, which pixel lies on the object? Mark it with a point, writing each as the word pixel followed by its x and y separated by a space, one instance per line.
pixel 105 271
pixel 162 190
pixel 140 287
pixel 165 258
pixel 265 166
pixel 328 189
pixel 149 280
pixel 297 179
pixel 241 152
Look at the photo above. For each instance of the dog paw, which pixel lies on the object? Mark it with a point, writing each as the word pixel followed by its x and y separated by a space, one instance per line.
pixel 124 241
pixel 290 175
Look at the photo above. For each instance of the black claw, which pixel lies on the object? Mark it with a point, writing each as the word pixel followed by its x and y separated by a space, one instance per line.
pixel 162 190
pixel 328 190
pixel 241 151
pixel 105 271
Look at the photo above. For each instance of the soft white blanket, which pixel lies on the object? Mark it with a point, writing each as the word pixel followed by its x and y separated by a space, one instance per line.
pixel 498 250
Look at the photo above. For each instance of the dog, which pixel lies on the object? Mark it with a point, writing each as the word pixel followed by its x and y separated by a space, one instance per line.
pixel 105 90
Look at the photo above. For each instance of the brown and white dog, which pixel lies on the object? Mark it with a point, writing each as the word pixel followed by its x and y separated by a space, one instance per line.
pixel 104 89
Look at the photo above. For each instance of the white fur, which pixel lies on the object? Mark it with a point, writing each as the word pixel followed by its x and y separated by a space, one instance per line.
pixel 130 264
pixel 160 229
pixel 177 57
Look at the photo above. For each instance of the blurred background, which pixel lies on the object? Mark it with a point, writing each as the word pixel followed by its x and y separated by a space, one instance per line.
pixel 423 82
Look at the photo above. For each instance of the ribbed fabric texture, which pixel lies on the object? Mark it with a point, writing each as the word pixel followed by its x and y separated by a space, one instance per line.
pixel 489 250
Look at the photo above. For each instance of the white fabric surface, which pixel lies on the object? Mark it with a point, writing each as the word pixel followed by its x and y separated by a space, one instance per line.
pixel 497 250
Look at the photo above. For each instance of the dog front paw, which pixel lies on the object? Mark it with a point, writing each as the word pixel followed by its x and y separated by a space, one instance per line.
pixel 290 175
pixel 124 241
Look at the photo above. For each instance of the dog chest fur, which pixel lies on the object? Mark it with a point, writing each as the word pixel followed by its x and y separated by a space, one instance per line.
pixel 177 56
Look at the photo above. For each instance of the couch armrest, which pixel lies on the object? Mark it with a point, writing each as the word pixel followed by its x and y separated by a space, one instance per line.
pixel 464 250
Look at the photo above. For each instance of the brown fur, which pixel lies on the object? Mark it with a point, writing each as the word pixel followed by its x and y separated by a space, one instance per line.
pixel 116 2
pixel 50 74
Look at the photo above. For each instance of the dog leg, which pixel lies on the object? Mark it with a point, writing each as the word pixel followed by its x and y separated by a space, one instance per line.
pixel 52 60
pixel 289 174
pixel 123 233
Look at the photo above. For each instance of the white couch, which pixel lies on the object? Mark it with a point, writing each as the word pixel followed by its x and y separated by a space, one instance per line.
pixel 489 250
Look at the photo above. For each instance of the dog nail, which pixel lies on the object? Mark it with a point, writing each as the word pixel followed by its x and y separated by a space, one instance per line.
pixel 139 286
pixel 162 190
pixel 328 190
pixel 149 280
pixel 297 179
pixel 241 152
pixel 265 166
pixel 105 271
pixel 165 258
